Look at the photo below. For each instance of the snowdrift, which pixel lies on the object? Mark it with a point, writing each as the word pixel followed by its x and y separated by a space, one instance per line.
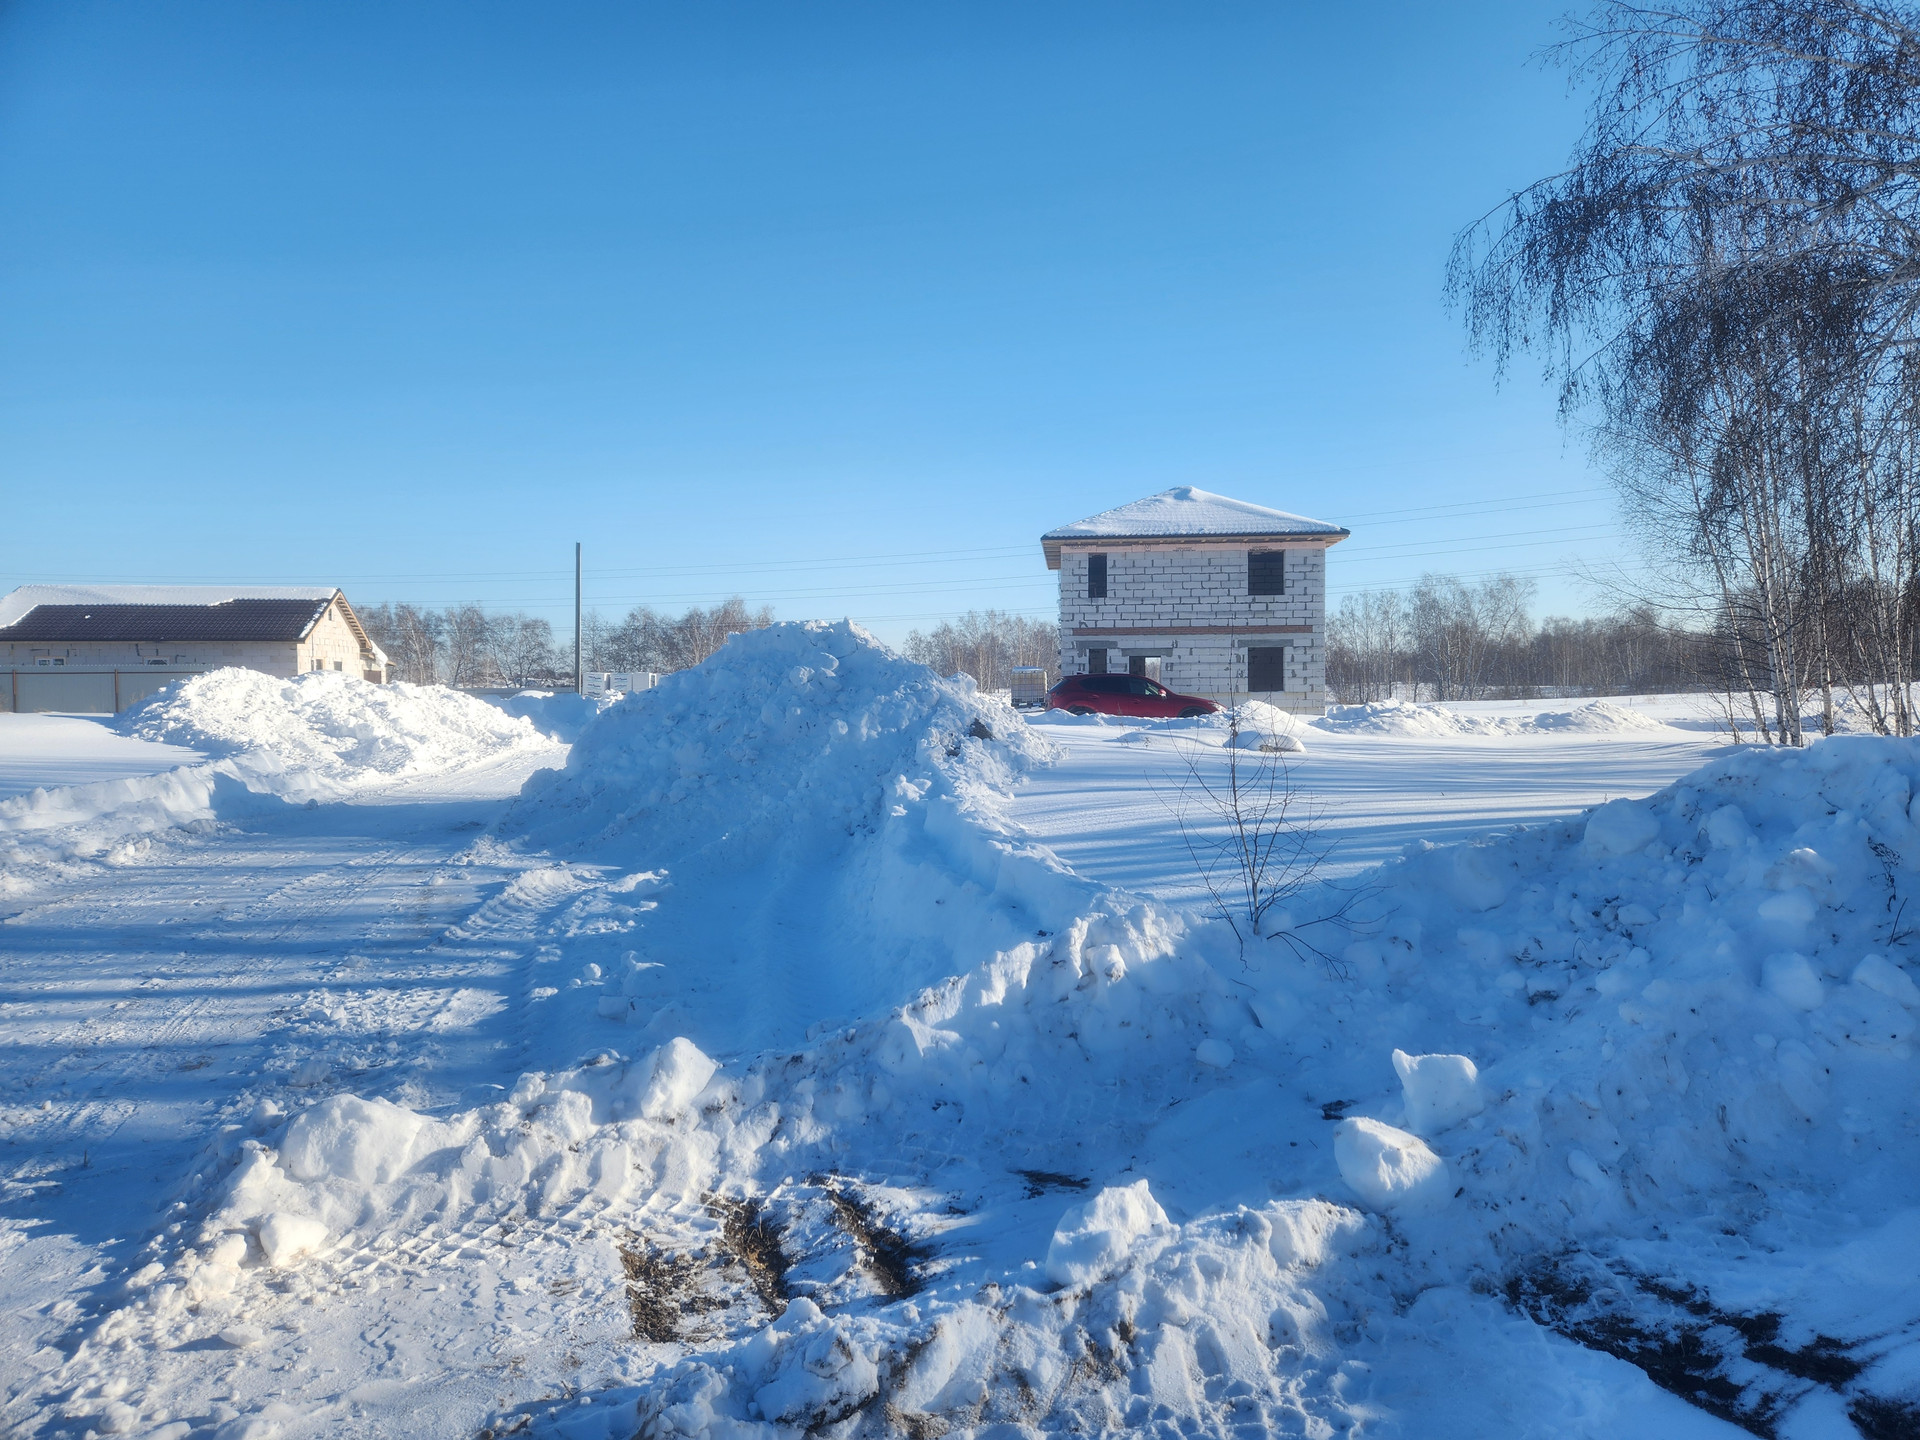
pixel 329 733
pixel 908 1128
pixel 560 715
pixel 317 738
pixel 843 807
pixel 1405 718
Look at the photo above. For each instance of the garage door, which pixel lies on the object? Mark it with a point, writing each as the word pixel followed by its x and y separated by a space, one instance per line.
pixel 88 692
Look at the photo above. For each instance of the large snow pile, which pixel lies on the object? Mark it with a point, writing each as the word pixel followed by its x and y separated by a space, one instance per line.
pixel 847 803
pixel 328 732
pixel 903 1128
pixel 1406 718
pixel 561 714
pixel 322 736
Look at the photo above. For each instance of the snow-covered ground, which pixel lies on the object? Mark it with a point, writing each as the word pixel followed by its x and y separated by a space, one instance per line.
pixel 818 1046
pixel 49 750
pixel 1378 778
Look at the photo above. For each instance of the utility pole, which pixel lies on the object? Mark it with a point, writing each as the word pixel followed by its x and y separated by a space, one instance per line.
pixel 579 675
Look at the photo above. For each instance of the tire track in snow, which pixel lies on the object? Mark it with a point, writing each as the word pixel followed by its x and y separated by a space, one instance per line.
pixel 155 1024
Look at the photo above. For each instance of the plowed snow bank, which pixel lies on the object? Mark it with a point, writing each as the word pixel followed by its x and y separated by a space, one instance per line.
pixel 337 732
pixel 1403 717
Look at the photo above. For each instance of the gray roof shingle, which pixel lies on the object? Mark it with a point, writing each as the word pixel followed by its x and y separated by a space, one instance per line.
pixel 243 619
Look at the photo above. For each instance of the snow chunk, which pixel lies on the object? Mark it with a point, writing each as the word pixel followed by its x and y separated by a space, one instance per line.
pixel 367 1141
pixel 285 1238
pixel 1790 910
pixel 1793 979
pixel 1440 1090
pixel 1878 973
pixel 1092 1239
pixel 1621 827
pixel 666 1082
pixel 1305 1232
pixel 1217 1053
pixel 1476 879
pixel 1727 828
pixel 1584 1167
pixel 1388 1168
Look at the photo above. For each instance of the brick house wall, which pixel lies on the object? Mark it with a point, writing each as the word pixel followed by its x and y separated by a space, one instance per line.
pixel 332 644
pixel 1186 602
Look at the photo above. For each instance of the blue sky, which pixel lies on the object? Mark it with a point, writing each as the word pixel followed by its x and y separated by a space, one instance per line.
pixel 836 306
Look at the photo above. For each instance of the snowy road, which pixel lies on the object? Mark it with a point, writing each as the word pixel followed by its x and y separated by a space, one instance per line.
pixel 148 1006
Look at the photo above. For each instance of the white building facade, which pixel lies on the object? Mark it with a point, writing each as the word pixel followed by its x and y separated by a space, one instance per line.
pixel 1208 595
pixel 104 648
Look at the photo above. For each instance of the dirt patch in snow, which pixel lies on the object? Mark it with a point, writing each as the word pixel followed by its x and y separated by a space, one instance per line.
pixel 751 1239
pixel 1731 1364
pixel 888 1256
pixel 664 1292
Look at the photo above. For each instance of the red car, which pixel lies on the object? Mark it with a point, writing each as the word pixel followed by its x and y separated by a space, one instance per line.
pixel 1124 695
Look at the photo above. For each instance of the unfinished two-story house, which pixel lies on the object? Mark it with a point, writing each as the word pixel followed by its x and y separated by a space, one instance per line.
pixel 1208 595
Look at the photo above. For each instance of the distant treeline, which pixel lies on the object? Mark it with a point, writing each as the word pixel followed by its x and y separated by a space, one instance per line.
pixel 464 645
pixel 1448 640
pixel 648 640
pixel 987 644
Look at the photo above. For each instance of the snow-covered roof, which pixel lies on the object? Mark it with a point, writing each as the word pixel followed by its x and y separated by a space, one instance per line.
pixel 1188 510
pixel 17 603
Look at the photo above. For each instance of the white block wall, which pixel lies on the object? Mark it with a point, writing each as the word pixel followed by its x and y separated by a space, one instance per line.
pixel 1184 586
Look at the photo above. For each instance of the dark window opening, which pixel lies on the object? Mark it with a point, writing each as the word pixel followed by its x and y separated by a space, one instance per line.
pixel 1266 572
pixel 1096 577
pixel 1096 662
pixel 1266 667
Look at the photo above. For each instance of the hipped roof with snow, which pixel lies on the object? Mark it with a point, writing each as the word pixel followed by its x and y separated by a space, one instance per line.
pixel 1187 511
pixel 66 613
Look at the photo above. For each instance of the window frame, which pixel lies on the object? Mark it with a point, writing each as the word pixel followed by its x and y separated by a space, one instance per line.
pixel 1274 572
pixel 1279 652
pixel 1097 575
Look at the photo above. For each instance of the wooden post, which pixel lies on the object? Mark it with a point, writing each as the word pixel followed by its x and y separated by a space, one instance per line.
pixel 116 692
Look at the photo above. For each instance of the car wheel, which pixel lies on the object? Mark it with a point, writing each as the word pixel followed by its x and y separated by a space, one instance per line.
pixel 1078 710
pixel 1192 712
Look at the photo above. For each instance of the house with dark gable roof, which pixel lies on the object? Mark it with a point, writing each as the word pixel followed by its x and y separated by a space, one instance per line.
pixel 103 648
pixel 1208 595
